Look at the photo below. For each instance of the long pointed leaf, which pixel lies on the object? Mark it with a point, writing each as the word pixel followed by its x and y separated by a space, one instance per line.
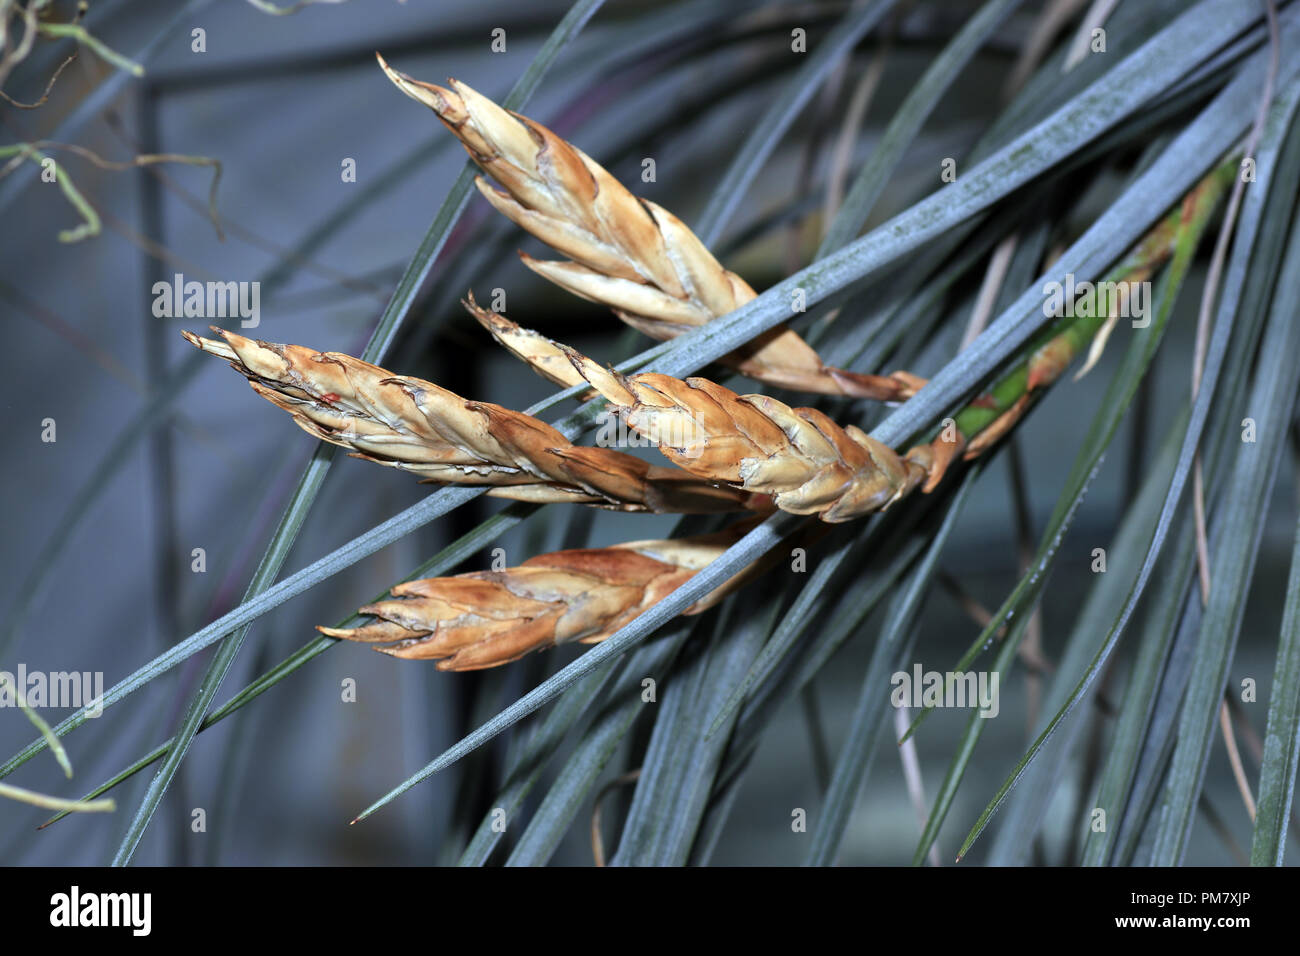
pixel 1233 559
pixel 1277 773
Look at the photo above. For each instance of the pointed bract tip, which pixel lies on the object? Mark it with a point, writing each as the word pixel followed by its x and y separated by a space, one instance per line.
pixel 495 323
pixel 578 360
pixel 486 317
pixel 397 76
pixel 212 346
pixel 425 93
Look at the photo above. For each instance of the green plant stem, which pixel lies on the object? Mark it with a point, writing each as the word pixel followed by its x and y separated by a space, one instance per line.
pixel 46 731
pixel 1064 341
pixel 35 799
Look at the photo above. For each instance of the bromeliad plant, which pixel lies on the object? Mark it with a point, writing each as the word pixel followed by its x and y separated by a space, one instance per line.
pixel 1185 103
pixel 732 452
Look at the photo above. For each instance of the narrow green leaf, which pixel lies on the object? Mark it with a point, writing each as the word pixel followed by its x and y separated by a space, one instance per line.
pixel 965 750
pixel 1174 637
pixel 869 716
pixel 1025 811
pixel 682 761
pixel 1233 554
pixel 793 623
pixel 281 542
pixel 1222 335
pixel 1144 730
pixel 527 769
pixel 583 768
pixel 783 111
pixel 874 176
pixel 1118 398
pixel 1277 772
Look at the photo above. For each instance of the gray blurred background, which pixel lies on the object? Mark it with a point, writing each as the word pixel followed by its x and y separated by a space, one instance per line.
pixel 281 102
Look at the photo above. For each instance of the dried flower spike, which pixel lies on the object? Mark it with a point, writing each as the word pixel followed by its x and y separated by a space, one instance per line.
pixel 628 253
pixel 807 463
pixel 414 425
pixel 486 618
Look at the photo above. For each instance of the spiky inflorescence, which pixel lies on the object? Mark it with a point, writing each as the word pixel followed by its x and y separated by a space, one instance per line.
pixel 486 618
pixel 414 425
pixel 628 253
pixel 766 451
pixel 807 463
